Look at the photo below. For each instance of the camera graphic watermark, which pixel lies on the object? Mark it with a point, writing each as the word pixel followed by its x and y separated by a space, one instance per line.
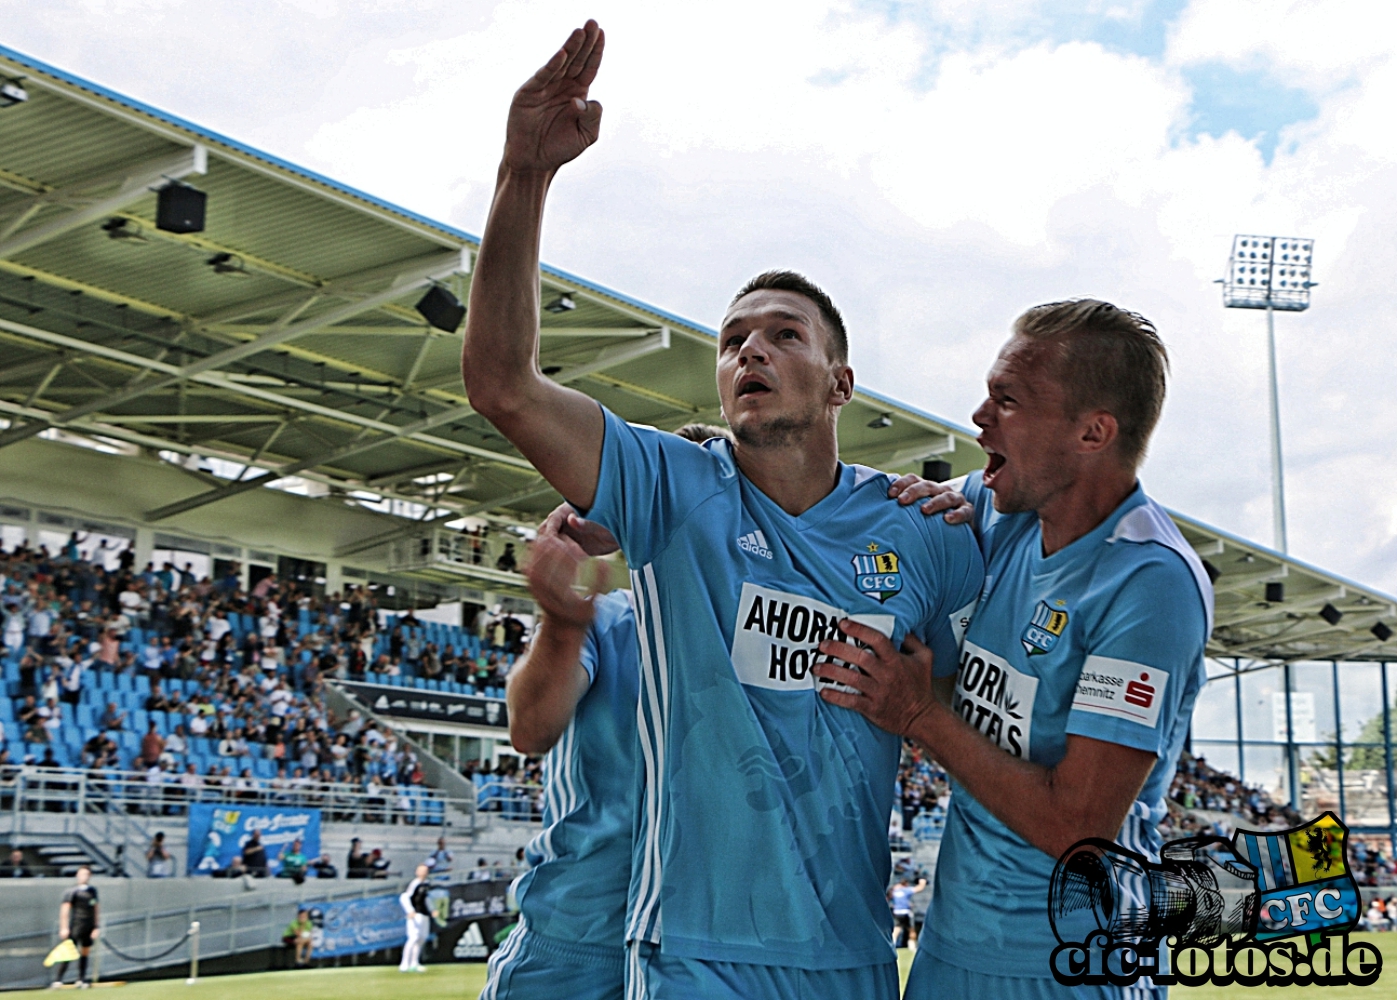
pixel 1266 908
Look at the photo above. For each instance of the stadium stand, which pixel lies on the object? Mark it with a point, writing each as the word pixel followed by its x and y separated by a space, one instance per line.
pixel 205 689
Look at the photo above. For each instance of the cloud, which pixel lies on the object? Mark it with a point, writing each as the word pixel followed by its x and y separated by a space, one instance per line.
pixel 938 166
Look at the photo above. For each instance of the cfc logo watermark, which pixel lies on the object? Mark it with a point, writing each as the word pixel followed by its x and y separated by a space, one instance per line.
pixel 1270 908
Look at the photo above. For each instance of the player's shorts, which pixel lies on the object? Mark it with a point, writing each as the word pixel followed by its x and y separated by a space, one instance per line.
pixel 82 934
pixel 651 975
pixel 903 920
pixel 933 979
pixel 530 966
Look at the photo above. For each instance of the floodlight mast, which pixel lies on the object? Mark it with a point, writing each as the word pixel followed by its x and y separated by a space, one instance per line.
pixel 1271 273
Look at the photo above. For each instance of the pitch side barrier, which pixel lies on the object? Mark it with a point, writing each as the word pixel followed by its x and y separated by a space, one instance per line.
pixel 237 934
pixel 71 791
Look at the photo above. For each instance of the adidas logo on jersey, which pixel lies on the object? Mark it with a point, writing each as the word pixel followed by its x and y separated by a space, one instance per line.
pixel 754 543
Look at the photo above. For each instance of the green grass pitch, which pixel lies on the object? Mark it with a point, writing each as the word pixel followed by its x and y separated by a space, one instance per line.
pixel 464 981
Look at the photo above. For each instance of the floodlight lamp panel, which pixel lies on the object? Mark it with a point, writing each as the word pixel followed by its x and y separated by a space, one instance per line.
pixel 1269 272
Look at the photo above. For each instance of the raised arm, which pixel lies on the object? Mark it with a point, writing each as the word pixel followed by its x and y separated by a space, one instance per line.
pixel 558 429
pixel 549 680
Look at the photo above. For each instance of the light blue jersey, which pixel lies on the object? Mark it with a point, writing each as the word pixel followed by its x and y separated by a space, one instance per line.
pixel 762 835
pixel 576 886
pixel 1104 639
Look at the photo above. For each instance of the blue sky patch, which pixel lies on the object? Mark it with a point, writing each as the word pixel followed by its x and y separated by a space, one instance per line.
pixel 1128 27
pixel 1252 103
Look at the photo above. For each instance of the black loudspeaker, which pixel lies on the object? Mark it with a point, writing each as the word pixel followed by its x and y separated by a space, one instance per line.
pixel 1275 593
pixel 936 470
pixel 1382 632
pixel 179 208
pixel 441 309
pixel 1331 614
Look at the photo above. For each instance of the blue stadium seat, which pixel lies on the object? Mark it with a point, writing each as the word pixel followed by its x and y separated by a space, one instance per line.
pixel 124 682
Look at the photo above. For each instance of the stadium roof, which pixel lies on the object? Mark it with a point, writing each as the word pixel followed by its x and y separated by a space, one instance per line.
pixel 284 337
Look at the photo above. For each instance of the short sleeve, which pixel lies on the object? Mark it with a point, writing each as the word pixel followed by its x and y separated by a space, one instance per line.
pixel 611 613
pixel 649 482
pixel 1142 658
pixel 960 573
pixel 591 650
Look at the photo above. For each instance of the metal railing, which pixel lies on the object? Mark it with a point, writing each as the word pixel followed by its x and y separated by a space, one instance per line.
pixel 226 927
pixel 110 806
pixel 448 549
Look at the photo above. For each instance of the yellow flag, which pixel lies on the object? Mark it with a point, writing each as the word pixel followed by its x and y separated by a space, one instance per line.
pixel 65 952
pixel 1318 849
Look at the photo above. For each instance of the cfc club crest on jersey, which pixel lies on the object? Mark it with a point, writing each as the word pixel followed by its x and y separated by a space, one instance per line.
pixel 877 573
pixel 1045 629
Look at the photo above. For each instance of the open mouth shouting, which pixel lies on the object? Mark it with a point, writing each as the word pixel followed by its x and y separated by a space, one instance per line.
pixel 993 465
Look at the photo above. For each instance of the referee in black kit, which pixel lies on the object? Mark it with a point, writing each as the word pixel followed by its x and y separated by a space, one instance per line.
pixel 77 919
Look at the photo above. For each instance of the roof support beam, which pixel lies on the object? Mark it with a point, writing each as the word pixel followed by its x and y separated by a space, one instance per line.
pixel 1238 583
pixel 414 277
pixel 1275 611
pixel 348 285
pixel 537 488
pixel 94 429
pixel 1352 621
pixel 133 183
pixel 328 458
pixel 617 355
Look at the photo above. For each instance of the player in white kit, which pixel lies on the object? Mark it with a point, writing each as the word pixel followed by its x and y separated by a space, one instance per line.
pixel 419 922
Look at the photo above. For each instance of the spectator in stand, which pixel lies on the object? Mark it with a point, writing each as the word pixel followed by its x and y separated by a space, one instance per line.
pixel 298 937
pixel 15 867
pixel 378 864
pixel 72 682
pixel 152 746
pixel 292 862
pixel 113 719
pixel 507 562
pixel 109 649
pixel 255 855
pixel 235 869
pixel 481 872
pixel 177 744
pixel 159 862
pixel 323 867
pixel 357 865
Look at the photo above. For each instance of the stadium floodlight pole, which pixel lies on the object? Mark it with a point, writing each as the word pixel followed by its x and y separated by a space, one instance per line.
pixel 1271 273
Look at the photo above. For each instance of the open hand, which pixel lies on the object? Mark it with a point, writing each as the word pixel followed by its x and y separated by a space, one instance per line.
pixel 909 489
pixel 550 119
pixel 554 563
pixel 894 688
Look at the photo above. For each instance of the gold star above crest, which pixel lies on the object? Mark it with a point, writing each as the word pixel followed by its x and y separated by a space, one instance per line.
pixel 872 546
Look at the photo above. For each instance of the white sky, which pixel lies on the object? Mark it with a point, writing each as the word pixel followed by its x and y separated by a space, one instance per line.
pixel 938 166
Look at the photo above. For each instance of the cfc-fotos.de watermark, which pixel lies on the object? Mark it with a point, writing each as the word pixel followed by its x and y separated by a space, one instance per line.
pixel 1269 908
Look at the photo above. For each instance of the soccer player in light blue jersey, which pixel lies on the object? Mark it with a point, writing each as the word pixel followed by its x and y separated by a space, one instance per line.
pixel 572 696
pixel 1065 714
pixel 761 860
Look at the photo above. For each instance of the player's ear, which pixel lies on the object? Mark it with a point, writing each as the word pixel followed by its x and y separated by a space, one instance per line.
pixel 1097 431
pixel 842 386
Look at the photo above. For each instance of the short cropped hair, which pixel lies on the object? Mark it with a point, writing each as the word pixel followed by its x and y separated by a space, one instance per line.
pixel 699 433
pixel 792 281
pixel 1107 358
